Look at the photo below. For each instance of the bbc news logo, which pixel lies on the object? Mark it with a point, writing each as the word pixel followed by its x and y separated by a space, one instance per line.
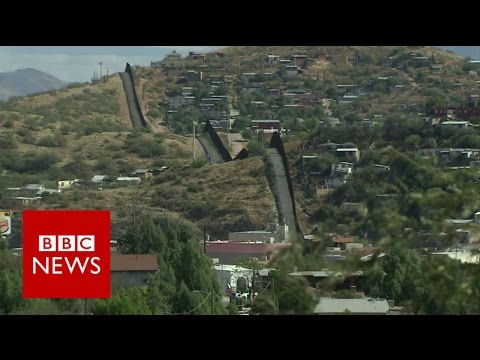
pixel 54 265
pixel 66 254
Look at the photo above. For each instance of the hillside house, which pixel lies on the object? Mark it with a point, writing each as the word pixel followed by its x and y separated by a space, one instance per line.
pixel 66 184
pixel 300 60
pixel 129 179
pixel 34 187
pixel 143 173
pixel 339 174
pixel 290 72
pixel 132 270
pixel 268 126
pixel 196 55
pixel 172 58
pixel 350 154
pixel 228 252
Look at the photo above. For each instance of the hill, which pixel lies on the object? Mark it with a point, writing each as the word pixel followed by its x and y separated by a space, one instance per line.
pixel 26 82
pixel 332 87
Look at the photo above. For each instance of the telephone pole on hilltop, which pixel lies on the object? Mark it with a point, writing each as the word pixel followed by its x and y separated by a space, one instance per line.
pixel 100 63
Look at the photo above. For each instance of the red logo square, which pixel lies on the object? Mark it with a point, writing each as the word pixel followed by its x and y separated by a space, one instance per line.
pixel 66 253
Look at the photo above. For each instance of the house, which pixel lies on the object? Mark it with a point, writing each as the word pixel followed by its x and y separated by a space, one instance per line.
pixel 66 184
pixel 268 126
pixel 97 179
pixel 132 270
pixel 48 192
pixel 365 306
pixel 273 233
pixel 290 72
pixel 349 154
pixel 34 187
pixel 129 179
pixel 300 60
pixel 16 202
pixel 272 59
pixel 143 173
pixel 342 241
pixel 172 58
pixel 230 252
pixel 339 174
pixel 194 75
pixel 462 254
pixel 231 276
pixel 196 55
pixel 456 124
pixel 221 125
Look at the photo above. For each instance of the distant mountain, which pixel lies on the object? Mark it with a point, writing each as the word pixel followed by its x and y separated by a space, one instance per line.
pixel 465 51
pixel 26 82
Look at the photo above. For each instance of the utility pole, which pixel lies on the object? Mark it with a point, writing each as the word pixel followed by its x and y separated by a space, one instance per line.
pixel 194 140
pixel 253 283
pixel 204 237
pixel 100 63
pixel 213 301
pixel 274 300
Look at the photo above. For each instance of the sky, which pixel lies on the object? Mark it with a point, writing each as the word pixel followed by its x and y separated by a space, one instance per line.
pixel 77 63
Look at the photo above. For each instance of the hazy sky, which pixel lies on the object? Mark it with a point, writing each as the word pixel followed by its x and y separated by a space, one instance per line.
pixel 77 63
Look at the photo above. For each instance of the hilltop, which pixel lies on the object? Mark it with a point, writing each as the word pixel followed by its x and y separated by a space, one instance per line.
pixel 26 82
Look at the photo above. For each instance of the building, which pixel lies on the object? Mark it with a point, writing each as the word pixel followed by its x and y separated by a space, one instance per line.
pixel 172 58
pixel 456 124
pixel 365 306
pixel 132 270
pixel 339 174
pixel 129 179
pixel 290 72
pixel 143 173
pixel 300 60
pixel 273 233
pixel 268 126
pixel 230 276
pixel 230 252
pixel 196 55
pixel 19 202
pixel 348 154
pixel 97 179
pixel 34 187
pixel 66 184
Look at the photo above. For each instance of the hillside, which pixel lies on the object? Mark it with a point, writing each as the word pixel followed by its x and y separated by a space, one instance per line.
pixel 85 130
pixel 89 125
pixel 26 82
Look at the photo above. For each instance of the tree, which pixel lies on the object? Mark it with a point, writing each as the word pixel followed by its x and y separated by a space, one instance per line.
pixel 10 283
pixel 285 295
pixel 131 301
pixel 402 269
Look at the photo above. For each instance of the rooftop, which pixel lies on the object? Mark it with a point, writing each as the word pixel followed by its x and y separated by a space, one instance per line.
pixel 133 263
pixel 356 306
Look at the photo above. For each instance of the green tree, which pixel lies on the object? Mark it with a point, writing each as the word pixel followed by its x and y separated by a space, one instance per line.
pixel 10 283
pixel 132 301
pixel 285 295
